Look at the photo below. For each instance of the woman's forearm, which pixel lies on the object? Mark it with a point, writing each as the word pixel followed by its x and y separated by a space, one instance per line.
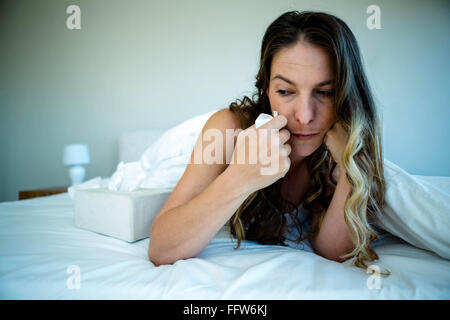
pixel 333 239
pixel 182 232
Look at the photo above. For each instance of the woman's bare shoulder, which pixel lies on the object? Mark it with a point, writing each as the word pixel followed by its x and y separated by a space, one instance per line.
pixel 224 119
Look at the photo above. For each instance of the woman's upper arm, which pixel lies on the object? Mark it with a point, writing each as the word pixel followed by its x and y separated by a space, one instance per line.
pixel 197 176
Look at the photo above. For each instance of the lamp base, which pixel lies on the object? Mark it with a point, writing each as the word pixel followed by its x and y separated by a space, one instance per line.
pixel 77 174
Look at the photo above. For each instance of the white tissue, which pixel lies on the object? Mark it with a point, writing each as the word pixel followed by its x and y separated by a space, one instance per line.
pixel 264 118
pixel 93 183
pixel 127 177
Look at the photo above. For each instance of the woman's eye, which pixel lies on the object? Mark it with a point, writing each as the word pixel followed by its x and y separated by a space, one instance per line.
pixel 283 92
pixel 325 93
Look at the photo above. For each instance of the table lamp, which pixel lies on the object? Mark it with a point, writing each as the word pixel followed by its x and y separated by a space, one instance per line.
pixel 76 155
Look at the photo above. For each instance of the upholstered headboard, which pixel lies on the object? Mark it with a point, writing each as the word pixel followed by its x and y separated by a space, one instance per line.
pixel 133 143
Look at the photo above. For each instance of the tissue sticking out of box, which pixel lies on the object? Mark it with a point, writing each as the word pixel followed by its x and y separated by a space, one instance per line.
pixel 127 177
pixel 264 118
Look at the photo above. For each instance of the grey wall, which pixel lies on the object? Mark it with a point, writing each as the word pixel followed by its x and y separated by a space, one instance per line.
pixel 141 64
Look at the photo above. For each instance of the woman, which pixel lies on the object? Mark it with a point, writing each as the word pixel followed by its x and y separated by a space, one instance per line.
pixel 330 154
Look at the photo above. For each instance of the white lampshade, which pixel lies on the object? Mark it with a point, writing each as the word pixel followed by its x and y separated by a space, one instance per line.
pixel 76 154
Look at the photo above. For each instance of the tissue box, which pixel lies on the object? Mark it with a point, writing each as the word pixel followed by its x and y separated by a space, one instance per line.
pixel 123 215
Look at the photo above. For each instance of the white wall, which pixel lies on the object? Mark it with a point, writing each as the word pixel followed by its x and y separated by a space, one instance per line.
pixel 141 64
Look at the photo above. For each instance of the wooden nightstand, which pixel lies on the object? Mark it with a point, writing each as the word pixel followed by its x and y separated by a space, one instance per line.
pixel 28 194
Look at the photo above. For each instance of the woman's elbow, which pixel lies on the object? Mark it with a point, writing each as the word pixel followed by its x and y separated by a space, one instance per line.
pixel 329 255
pixel 334 254
pixel 153 258
pixel 334 257
pixel 158 259
pixel 162 256
pixel 158 262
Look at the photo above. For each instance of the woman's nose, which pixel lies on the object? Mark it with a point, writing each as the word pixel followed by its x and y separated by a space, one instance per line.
pixel 304 109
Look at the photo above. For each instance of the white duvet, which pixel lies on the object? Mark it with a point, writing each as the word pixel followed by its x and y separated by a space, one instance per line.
pixel 43 256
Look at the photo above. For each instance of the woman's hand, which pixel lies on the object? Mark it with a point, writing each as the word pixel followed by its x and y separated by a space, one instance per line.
pixel 336 139
pixel 271 153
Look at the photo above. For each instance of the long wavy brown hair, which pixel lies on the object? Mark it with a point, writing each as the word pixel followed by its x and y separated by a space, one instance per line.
pixel 262 216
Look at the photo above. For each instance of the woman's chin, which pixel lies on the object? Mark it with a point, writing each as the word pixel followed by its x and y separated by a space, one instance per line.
pixel 304 150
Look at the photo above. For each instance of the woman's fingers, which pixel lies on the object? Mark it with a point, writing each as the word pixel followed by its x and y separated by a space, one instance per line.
pixel 278 122
pixel 285 135
pixel 286 149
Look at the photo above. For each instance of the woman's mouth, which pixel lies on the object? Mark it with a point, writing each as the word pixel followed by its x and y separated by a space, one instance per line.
pixel 305 136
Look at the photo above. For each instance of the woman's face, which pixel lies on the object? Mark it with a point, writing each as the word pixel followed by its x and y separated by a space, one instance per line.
pixel 301 89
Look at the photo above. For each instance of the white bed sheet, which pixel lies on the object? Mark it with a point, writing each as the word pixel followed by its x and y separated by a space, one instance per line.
pixel 38 242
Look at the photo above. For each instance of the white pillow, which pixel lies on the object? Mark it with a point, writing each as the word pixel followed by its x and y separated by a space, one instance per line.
pixel 176 143
pixel 417 209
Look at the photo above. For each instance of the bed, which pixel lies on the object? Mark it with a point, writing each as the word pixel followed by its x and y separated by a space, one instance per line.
pixel 44 256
